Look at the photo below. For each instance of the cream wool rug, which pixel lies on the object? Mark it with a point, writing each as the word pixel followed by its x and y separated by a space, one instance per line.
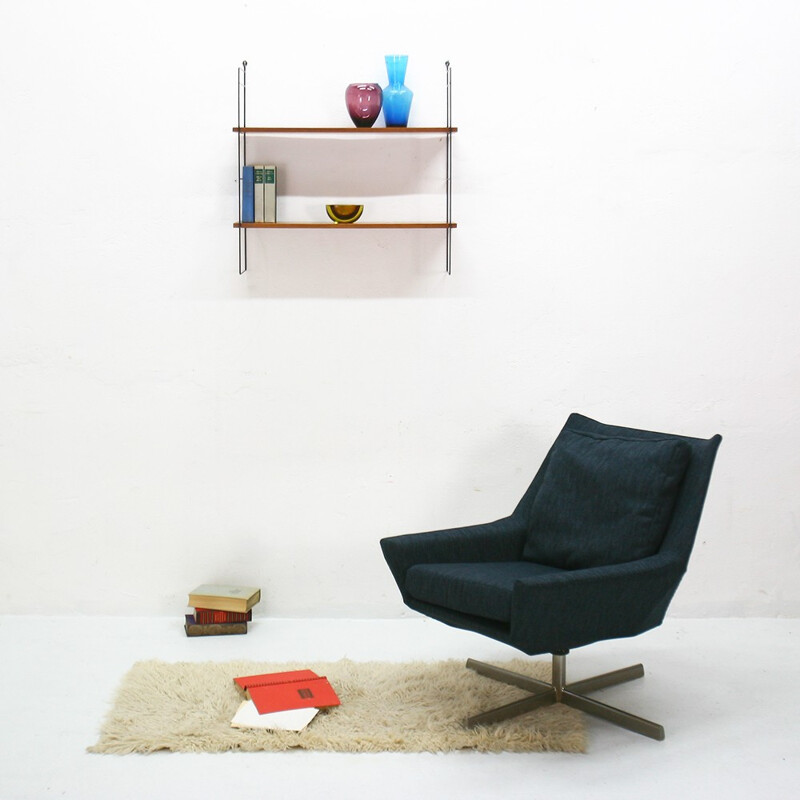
pixel 407 707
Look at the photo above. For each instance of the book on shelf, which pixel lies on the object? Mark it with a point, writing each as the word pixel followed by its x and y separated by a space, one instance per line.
pixel 259 193
pixel 270 193
pixel 195 628
pixel 224 598
pixel 248 196
pixel 287 691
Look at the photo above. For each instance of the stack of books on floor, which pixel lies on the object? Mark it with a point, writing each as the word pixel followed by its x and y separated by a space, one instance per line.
pixel 220 610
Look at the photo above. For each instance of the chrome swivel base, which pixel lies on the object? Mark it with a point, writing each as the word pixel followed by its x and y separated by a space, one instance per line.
pixel 570 694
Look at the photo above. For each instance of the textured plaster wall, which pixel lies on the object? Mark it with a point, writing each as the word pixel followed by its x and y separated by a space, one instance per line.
pixel 627 189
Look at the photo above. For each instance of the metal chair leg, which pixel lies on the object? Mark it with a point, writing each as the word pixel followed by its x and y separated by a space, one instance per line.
pixel 570 694
pixel 509 677
pixel 607 679
pixel 614 715
pixel 514 709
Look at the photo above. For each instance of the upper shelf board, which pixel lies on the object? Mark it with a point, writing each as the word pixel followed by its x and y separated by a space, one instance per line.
pixel 345 130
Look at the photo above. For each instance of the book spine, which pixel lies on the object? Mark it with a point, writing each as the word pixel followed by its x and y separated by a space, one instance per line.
pixel 205 616
pixel 258 181
pixel 270 193
pixel 248 195
pixel 193 628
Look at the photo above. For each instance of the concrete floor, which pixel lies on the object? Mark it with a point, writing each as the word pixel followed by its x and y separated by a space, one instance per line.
pixel 727 692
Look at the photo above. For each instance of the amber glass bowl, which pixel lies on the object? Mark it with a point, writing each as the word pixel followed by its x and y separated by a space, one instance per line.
pixel 343 213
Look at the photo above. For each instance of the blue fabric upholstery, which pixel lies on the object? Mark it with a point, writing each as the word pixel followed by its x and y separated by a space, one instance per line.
pixel 478 577
pixel 483 589
pixel 604 499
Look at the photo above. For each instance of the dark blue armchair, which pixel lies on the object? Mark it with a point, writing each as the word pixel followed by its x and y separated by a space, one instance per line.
pixel 594 550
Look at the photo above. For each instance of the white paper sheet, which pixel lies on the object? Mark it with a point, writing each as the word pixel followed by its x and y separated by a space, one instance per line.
pixel 247 716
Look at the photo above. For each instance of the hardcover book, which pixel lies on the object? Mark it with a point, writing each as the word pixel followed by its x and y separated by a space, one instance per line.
pixel 248 196
pixel 258 193
pixel 297 719
pixel 205 616
pixel 224 598
pixel 193 628
pixel 270 192
pixel 265 183
pixel 284 691
pixel 271 678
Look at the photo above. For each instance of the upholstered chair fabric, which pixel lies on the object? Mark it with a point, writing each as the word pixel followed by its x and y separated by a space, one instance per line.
pixel 595 549
pixel 604 499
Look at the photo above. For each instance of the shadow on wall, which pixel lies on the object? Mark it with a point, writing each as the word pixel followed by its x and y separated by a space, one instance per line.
pixel 496 467
pixel 347 264
pixel 398 181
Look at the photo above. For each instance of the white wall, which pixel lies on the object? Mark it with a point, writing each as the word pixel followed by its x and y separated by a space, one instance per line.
pixel 627 189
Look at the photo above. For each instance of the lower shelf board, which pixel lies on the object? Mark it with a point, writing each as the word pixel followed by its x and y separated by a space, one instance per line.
pixel 345 225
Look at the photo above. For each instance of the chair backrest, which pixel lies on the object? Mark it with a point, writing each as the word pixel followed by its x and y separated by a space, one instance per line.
pixel 682 528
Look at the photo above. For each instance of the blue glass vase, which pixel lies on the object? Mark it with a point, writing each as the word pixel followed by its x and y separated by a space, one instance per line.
pixel 396 96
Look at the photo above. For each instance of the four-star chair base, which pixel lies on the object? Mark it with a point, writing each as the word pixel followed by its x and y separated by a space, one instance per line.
pixel 570 694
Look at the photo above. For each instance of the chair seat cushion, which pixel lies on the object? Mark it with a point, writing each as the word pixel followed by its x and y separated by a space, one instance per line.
pixel 604 499
pixel 479 589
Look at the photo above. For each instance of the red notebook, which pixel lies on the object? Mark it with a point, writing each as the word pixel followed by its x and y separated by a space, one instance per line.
pixel 283 691
pixel 269 678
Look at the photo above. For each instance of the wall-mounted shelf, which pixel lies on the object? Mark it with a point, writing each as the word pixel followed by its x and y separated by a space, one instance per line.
pixel 345 226
pixel 243 131
pixel 356 131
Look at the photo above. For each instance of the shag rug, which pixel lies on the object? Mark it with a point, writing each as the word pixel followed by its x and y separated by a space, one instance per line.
pixel 408 707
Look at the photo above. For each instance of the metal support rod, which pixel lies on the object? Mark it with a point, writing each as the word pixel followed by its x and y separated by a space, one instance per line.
pixel 449 183
pixel 559 674
pixel 241 155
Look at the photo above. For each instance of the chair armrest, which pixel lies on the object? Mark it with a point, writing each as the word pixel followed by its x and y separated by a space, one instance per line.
pixel 502 540
pixel 558 611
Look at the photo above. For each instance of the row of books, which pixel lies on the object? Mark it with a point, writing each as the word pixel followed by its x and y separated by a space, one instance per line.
pixel 259 190
pixel 220 610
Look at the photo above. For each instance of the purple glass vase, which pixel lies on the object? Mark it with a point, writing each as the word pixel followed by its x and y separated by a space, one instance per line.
pixel 364 101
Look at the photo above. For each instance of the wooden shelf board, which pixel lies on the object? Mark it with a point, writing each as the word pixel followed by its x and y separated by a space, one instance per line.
pixel 344 225
pixel 355 130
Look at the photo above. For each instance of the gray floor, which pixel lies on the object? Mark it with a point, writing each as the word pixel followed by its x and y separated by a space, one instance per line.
pixel 727 692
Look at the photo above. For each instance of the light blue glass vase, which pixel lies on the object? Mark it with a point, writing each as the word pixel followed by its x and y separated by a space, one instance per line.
pixel 396 96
